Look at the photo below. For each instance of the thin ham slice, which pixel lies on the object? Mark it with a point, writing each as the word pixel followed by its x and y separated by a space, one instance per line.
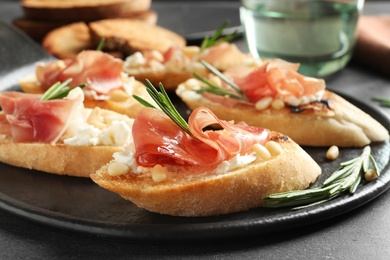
pixel 158 140
pixel 26 119
pixel 100 71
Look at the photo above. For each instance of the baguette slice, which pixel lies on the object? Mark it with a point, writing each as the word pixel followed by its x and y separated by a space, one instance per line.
pixel 86 10
pixel 80 150
pixel 183 194
pixel 343 124
pixel 179 64
pixel 68 40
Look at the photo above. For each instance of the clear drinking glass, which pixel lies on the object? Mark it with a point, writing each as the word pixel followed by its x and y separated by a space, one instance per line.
pixel 318 34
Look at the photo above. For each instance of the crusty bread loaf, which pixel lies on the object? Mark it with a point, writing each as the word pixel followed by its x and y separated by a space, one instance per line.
pixel 343 125
pixel 79 161
pixel 184 194
pixel 82 10
pixel 118 100
pixel 129 36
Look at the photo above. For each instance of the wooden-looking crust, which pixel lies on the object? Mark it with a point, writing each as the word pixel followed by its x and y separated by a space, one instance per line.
pixel 79 161
pixel 206 195
pixel 345 125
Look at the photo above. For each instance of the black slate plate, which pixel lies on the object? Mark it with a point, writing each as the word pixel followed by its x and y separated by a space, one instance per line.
pixel 77 204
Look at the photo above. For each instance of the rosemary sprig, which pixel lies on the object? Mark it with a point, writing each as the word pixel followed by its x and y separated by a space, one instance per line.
pixel 346 178
pixel 215 89
pixel 163 101
pixel 382 101
pixel 58 90
pixel 217 37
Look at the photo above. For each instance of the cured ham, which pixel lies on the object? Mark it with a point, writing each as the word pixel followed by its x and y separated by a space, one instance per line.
pixel 27 119
pixel 158 140
pixel 100 71
pixel 277 79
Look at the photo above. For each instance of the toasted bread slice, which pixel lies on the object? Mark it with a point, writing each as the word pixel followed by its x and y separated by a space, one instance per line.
pixel 85 10
pixel 69 40
pixel 341 124
pixel 186 194
pixel 129 36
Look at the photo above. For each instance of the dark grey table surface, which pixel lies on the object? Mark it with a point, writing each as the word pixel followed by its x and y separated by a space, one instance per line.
pixel 363 233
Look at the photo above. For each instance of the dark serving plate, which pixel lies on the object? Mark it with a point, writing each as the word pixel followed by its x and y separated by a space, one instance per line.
pixel 79 205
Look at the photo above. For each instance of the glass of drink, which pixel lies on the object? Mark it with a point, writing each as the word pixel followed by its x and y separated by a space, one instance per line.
pixel 318 34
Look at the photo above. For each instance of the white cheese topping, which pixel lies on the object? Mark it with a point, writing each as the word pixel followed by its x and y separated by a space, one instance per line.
pixel 116 134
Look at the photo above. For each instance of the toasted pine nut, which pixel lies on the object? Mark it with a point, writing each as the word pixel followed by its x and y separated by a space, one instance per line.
pixel 116 169
pixel 261 152
pixel 274 148
pixel 332 153
pixel 158 173
pixel 370 175
pixel 263 103
pixel 118 96
pixel 277 104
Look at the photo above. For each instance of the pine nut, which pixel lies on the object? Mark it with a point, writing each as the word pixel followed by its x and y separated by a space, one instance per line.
pixel 116 169
pixel 277 104
pixel 274 148
pixel 158 173
pixel 261 152
pixel 263 103
pixel 332 153
pixel 370 175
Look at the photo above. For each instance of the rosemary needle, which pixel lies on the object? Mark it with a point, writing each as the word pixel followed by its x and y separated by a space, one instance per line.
pixel 163 101
pixel 383 101
pixel 217 37
pixel 58 90
pixel 346 178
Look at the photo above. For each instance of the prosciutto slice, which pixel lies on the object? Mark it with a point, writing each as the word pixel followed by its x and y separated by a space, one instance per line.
pixel 26 119
pixel 158 140
pixel 276 78
pixel 100 71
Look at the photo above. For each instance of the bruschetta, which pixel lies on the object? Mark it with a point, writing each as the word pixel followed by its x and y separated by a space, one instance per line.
pixel 59 136
pixel 178 64
pixel 107 86
pixel 275 96
pixel 193 170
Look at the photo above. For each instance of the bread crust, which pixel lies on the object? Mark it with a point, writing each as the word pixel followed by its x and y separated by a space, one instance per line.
pixel 79 161
pixel 77 39
pixel 212 194
pixel 129 36
pixel 73 11
pixel 343 125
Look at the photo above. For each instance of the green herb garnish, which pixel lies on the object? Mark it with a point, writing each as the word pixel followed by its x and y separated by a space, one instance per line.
pixel 101 44
pixel 59 90
pixel 163 101
pixel 382 101
pixel 217 37
pixel 237 93
pixel 346 178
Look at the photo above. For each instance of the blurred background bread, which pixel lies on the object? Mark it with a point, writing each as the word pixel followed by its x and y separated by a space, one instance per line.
pixel 66 27
pixel 42 16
